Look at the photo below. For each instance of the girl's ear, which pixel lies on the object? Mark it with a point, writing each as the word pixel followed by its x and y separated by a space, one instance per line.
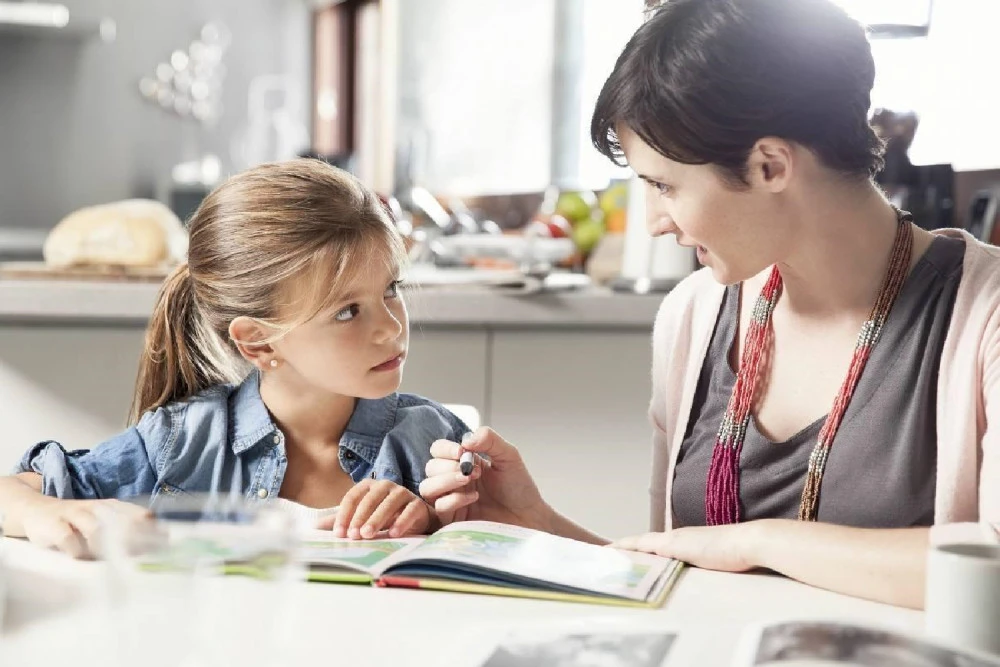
pixel 245 333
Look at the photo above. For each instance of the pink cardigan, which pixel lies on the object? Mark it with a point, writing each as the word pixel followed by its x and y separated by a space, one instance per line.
pixel 968 411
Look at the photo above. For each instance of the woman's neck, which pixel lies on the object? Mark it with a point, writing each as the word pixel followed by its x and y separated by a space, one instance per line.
pixel 841 254
pixel 306 416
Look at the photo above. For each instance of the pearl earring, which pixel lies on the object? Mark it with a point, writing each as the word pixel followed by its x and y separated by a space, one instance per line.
pixel 274 363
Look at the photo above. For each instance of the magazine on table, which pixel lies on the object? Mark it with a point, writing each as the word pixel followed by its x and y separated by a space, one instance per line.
pixel 796 643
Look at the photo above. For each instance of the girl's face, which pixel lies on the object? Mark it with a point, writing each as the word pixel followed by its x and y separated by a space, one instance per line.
pixel 357 346
pixel 737 232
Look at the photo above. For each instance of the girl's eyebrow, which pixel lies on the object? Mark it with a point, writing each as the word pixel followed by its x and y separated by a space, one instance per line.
pixel 350 296
pixel 353 294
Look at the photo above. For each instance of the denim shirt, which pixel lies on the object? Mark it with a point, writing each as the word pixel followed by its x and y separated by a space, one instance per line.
pixel 223 441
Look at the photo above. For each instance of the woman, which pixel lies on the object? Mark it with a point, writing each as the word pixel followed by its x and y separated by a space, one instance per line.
pixel 826 392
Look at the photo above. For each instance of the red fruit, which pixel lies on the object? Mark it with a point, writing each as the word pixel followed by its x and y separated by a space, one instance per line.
pixel 559 227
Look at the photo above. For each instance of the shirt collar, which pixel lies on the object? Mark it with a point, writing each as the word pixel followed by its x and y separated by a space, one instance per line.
pixel 373 418
pixel 370 422
pixel 249 416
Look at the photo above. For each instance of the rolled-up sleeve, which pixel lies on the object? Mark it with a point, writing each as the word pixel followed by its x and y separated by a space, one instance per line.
pixel 117 468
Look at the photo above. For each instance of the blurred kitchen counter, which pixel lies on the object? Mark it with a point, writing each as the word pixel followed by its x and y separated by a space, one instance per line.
pixel 126 304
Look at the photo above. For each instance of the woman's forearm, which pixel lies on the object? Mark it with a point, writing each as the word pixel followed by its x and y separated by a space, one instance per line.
pixel 560 525
pixel 885 565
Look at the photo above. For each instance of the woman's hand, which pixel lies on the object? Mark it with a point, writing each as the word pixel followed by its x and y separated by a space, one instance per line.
pixel 500 487
pixel 882 564
pixel 373 506
pixel 727 548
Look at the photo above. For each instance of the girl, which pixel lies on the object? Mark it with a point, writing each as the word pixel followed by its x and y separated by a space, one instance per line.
pixel 270 370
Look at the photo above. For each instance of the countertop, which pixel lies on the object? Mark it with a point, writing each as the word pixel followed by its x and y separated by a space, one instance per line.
pixel 88 303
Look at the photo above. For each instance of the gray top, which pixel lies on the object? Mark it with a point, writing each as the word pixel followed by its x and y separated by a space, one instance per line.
pixel 883 462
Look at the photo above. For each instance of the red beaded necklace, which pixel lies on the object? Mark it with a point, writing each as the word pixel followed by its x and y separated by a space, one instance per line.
pixel 722 503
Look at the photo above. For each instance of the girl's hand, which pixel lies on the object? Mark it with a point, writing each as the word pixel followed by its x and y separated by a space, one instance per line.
pixel 73 526
pixel 500 487
pixel 728 548
pixel 373 506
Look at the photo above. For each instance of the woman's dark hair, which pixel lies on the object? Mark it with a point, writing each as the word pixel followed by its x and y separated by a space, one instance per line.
pixel 703 80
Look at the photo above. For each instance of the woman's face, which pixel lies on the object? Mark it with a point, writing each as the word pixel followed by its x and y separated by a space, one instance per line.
pixel 737 232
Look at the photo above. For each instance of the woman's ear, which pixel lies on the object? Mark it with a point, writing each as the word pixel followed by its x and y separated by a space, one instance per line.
pixel 770 164
pixel 245 333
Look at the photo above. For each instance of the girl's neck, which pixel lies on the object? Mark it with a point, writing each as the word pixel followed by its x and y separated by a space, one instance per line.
pixel 305 415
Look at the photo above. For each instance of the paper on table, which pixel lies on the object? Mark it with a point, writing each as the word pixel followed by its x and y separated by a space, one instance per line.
pixel 817 643
pixel 606 640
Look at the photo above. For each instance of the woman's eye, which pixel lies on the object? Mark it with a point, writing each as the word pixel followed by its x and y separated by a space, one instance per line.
pixel 662 188
pixel 392 291
pixel 347 314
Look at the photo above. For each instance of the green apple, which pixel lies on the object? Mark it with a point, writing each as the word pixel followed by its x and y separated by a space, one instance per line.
pixel 575 206
pixel 587 233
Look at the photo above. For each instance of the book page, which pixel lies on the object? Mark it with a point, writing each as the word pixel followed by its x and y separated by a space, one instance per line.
pixel 820 644
pixel 537 555
pixel 370 556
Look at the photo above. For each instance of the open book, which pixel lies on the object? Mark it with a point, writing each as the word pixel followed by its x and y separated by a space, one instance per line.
pixel 495 559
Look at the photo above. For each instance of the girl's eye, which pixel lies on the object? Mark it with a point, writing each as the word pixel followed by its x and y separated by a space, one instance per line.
pixel 392 291
pixel 661 188
pixel 348 314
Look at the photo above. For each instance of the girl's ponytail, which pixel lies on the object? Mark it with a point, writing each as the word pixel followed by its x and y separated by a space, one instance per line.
pixel 182 356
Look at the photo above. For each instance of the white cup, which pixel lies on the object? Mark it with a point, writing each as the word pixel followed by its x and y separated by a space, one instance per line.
pixel 962 607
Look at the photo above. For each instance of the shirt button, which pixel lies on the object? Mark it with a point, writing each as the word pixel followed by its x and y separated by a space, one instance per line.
pixel 262 493
pixel 348 455
pixel 277 438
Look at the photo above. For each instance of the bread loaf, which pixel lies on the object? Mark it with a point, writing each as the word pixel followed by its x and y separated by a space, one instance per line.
pixel 131 233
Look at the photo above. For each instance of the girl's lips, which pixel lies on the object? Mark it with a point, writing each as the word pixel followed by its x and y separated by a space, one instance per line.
pixel 390 365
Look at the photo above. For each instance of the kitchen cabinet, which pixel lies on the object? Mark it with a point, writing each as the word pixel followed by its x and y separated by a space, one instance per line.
pixel 450 366
pixel 71 384
pixel 574 402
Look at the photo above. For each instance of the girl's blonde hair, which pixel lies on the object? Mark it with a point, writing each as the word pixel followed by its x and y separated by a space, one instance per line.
pixel 301 220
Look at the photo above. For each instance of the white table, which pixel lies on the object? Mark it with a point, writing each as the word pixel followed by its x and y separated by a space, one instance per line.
pixel 50 613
